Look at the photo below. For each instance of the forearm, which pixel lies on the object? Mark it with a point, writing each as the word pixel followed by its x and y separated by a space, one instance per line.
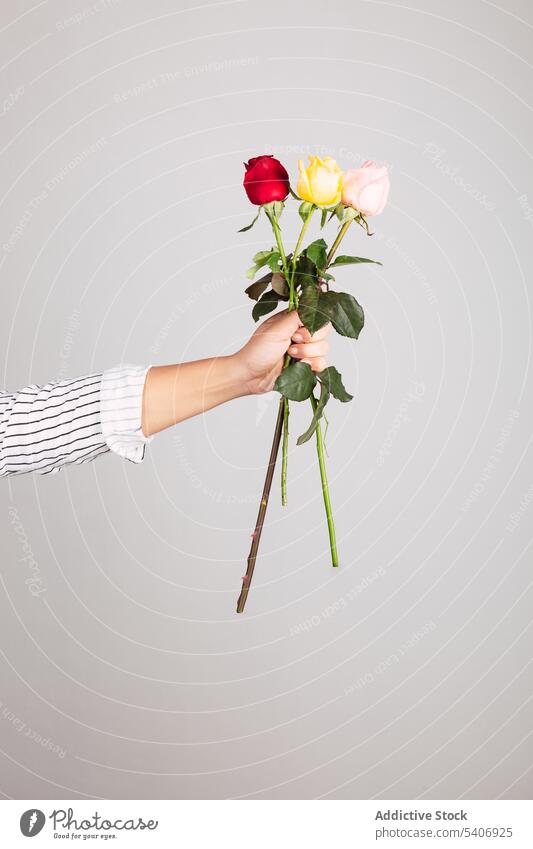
pixel 43 428
pixel 177 392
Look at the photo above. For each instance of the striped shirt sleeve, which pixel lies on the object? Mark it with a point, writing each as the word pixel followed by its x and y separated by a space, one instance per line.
pixel 43 428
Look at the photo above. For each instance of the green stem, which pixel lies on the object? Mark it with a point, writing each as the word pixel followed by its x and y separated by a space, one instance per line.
pixel 281 249
pixel 340 236
pixel 319 442
pixel 285 452
pixel 302 234
pixel 293 303
pixel 281 420
pixel 297 252
pixel 325 490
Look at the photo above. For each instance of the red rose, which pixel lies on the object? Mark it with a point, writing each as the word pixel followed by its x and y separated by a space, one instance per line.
pixel 265 180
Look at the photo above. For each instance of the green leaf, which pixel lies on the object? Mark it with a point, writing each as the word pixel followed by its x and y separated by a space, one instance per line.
pixel 261 259
pixel 323 218
pixel 311 307
pixel 319 407
pixel 296 382
pixel 316 308
pixel 306 273
pixel 252 271
pixel 332 379
pixel 316 252
pixel 255 290
pixel 249 227
pixel 345 314
pixel 266 303
pixel 352 260
pixel 305 209
pixel 273 261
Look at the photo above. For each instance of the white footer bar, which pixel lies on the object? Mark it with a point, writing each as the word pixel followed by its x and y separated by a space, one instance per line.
pixel 269 824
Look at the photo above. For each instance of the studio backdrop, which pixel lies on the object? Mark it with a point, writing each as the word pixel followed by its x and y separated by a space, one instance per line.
pixel 406 672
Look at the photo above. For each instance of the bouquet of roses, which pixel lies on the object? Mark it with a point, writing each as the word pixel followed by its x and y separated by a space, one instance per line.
pixel 302 278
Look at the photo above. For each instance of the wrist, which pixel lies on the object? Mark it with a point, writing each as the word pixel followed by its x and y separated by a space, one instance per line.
pixel 238 375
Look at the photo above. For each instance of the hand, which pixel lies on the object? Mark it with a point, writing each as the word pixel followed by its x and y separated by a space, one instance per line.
pixel 261 359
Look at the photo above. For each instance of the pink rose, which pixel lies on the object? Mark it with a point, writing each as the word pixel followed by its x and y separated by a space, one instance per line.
pixel 366 188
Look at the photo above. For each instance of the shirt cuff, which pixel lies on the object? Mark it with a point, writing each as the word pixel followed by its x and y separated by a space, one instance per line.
pixel 121 393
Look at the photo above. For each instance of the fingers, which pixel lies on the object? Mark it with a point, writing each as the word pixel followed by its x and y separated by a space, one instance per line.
pixel 316 363
pixel 311 352
pixel 282 325
pixel 309 349
pixel 302 334
pixel 287 324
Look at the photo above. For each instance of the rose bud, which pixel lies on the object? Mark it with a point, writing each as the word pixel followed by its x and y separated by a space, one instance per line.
pixel 367 188
pixel 265 180
pixel 320 182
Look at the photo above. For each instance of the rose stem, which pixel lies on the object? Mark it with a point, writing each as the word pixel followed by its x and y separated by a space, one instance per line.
pixel 277 234
pixel 319 443
pixel 284 452
pixel 289 278
pixel 293 303
pixel 340 236
pixel 300 240
pixel 281 426
pixel 325 491
pixel 256 536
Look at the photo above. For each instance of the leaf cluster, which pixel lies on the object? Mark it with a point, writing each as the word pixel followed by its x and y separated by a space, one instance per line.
pixel 317 304
pixel 297 383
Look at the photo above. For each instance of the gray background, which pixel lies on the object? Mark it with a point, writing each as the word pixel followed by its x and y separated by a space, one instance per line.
pixel 407 673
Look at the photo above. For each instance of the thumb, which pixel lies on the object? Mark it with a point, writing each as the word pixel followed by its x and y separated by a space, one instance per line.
pixel 284 324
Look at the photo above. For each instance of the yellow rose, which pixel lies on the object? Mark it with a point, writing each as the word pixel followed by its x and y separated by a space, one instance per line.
pixel 320 183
